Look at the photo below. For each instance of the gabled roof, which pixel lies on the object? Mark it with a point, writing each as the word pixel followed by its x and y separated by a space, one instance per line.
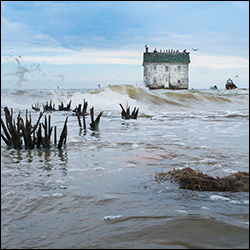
pixel 162 57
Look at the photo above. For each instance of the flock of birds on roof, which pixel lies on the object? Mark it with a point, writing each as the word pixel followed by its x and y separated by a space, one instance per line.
pixel 171 50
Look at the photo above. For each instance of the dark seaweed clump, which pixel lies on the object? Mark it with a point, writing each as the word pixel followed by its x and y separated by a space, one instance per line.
pixel 196 180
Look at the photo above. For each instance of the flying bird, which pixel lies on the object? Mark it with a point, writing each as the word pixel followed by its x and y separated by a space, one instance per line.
pixel 237 75
pixel 195 49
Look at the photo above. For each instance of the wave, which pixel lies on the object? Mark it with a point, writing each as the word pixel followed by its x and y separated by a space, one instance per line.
pixel 108 98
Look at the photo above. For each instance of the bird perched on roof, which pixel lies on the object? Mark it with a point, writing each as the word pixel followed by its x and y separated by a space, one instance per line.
pixel 146 46
pixel 195 49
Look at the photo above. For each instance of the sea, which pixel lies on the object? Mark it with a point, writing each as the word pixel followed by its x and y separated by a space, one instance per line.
pixel 99 191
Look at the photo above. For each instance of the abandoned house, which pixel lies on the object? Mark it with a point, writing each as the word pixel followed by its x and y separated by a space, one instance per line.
pixel 166 69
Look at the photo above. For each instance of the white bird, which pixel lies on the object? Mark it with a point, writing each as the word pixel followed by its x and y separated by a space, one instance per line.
pixel 195 49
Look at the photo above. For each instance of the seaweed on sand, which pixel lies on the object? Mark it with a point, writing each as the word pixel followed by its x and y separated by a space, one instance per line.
pixel 196 180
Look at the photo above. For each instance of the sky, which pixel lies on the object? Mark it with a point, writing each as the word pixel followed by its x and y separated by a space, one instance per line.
pixel 80 44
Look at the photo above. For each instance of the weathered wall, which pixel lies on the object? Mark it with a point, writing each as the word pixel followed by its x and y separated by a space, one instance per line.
pixel 161 74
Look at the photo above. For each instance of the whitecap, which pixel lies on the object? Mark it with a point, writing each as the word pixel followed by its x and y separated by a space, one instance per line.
pixel 98 169
pixel 235 202
pixel 181 211
pixel 218 197
pixel 10 193
pixel 216 166
pixel 32 198
pixel 246 201
pixel 205 208
pixel 208 160
pixel 229 170
pixel 57 195
pixel 111 217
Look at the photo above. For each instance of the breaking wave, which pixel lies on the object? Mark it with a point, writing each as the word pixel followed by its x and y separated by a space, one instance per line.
pixel 108 98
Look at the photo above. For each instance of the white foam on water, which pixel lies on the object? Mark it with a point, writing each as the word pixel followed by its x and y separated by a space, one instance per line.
pixel 181 211
pixel 111 217
pixel 208 160
pixel 32 198
pixel 235 202
pixel 219 197
pixel 57 195
pixel 216 166
pixel 246 201
pixel 229 170
pixel 205 208
pixel 10 193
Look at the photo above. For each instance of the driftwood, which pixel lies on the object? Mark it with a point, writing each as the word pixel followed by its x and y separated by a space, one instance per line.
pixel 126 114
pixel 14 132
pixel 94 125
pixel 196 180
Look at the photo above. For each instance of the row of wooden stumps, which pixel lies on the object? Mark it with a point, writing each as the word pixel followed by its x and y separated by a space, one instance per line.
pixel 32 135
pixel 50 107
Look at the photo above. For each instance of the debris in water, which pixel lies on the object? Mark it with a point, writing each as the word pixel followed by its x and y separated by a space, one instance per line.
pixel 196 180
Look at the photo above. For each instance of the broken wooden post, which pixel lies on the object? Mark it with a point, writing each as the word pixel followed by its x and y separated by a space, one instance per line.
pixel 12 132
pixel 62 108
pixel 55 135
pixel 134 113
pixel 84 123
pixel 36 107
pixel 126 114
pixel 63 135
pixel 78 117
pixel 94 125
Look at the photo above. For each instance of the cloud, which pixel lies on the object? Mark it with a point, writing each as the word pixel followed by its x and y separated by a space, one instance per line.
pixel 17 33
pixel 219 61
pixel 61 56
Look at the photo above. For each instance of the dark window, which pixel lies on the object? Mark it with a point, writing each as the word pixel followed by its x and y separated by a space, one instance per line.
pixel 179 81
pixel 155 67
pixel 154 80
pixel 179 68
pixel 166 68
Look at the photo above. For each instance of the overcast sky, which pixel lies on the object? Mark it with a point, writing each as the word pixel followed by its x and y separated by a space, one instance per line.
pixel 79 44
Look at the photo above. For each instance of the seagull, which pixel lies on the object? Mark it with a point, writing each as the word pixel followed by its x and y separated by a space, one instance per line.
pixel 146 46
pixel 195 49
pixel 237 75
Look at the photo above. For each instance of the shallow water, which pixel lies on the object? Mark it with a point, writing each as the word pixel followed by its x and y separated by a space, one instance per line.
pixel 100 190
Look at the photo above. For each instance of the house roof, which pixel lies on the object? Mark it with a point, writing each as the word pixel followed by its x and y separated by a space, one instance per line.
pixel 162 57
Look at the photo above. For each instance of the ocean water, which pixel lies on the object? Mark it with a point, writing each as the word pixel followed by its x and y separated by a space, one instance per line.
pixel 99 191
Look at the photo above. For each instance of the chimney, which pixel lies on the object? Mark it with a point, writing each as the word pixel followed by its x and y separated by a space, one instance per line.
pixel 146 49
